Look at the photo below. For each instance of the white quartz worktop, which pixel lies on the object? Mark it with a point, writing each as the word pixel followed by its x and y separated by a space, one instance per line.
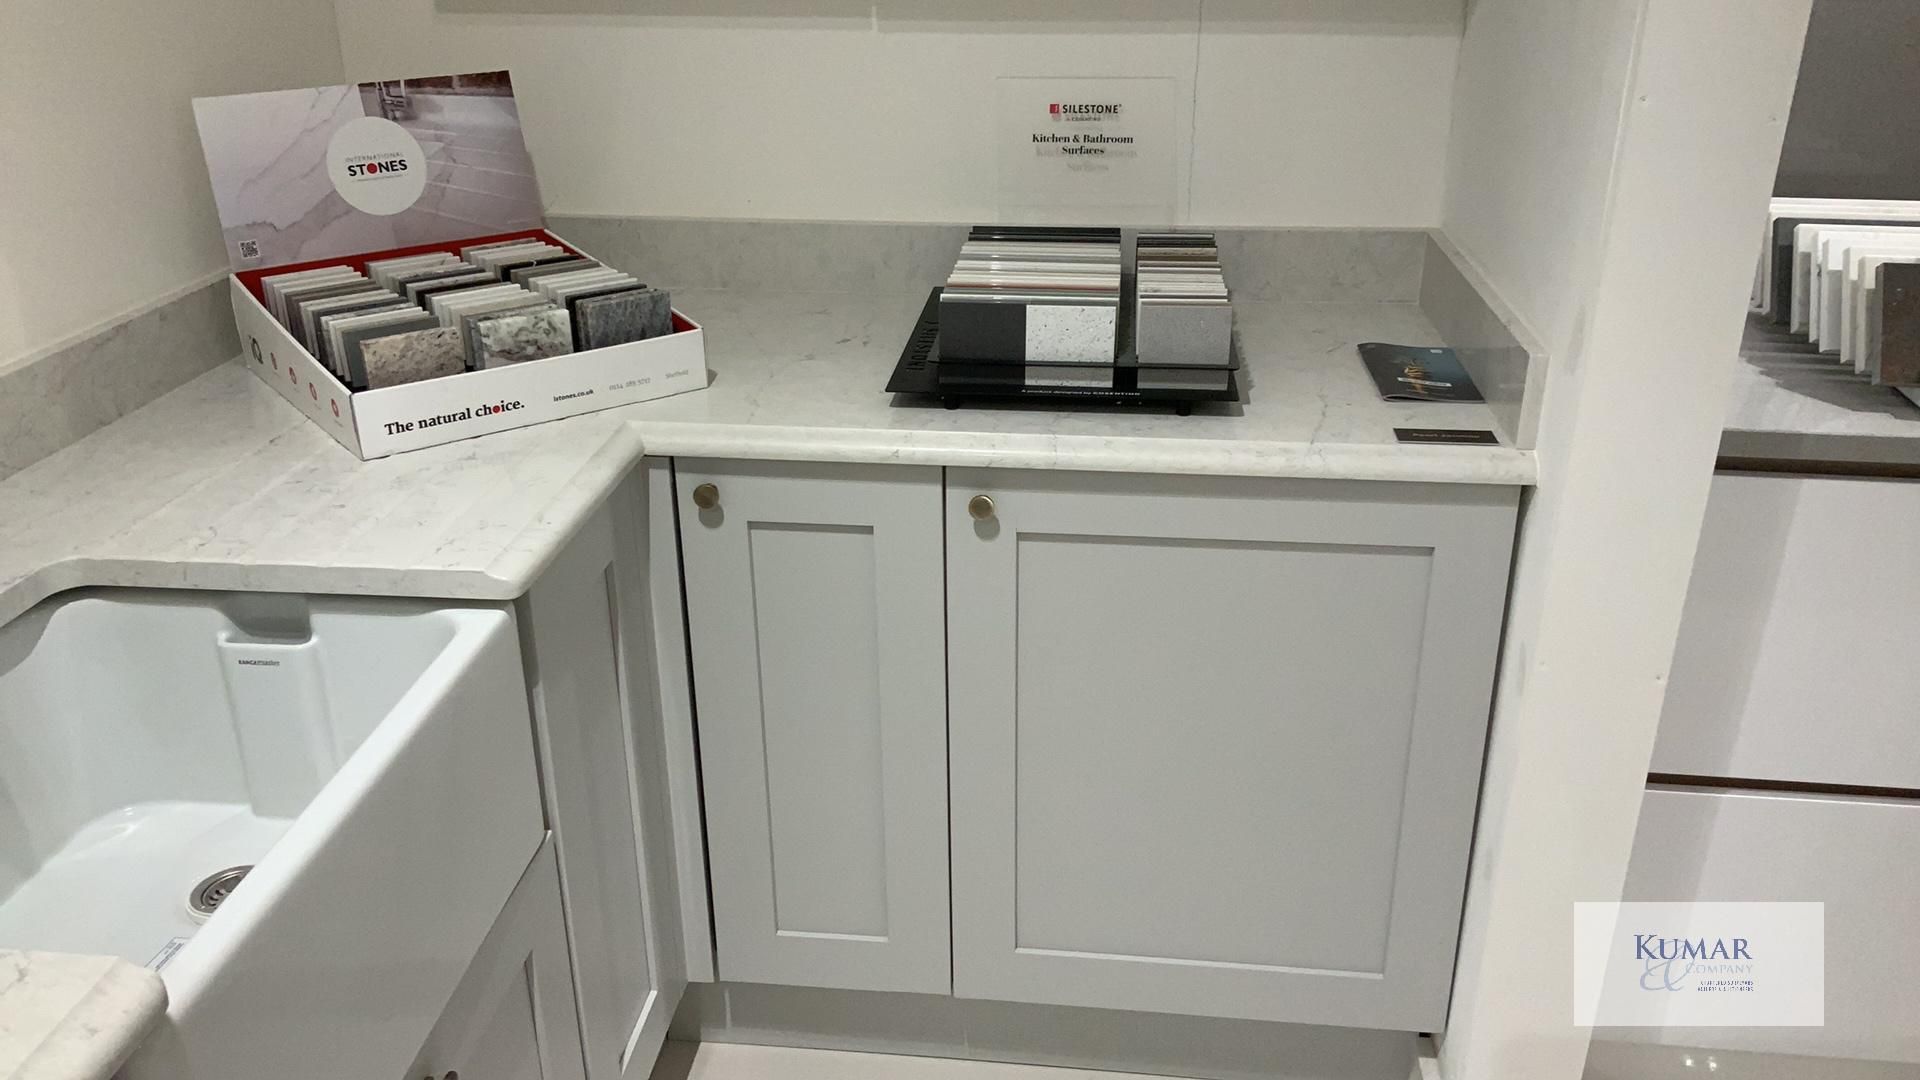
pixel 1792 403
pixel 222 485
pixel 65 1017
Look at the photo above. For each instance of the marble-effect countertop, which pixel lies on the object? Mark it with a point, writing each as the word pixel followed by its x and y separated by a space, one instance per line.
pixel 65 1017
pixel 1791 403
pixel 222 485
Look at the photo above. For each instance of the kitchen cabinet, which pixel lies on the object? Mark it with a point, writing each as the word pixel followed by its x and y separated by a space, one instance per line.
pixel 1213 745
pixel 605 754
pixel 1794 661
pixel 1216 743
pixel 814 610
pixel 1855 854
pixel 512 1015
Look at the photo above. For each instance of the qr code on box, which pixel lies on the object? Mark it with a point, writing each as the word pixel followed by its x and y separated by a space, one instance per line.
pixel 249 249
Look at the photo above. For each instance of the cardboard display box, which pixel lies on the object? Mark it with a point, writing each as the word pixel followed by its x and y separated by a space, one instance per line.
pixel 455 174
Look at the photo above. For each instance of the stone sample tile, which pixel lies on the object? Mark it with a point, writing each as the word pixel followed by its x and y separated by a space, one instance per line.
pixel 634 315
pixel 515 339
pixel 398 359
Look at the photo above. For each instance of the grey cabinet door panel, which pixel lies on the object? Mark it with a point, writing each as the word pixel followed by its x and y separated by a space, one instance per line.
pixel 603 741
pixel 1216 743
pixel 817 635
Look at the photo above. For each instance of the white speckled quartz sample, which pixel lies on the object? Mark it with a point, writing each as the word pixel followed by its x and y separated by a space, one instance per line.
pixel 1071 333
pixel 222 485
pixel 1790 403
pixel 68 1017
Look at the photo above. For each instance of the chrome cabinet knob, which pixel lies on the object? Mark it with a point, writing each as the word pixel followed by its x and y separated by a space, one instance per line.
pixel 981 507
pixel 706 496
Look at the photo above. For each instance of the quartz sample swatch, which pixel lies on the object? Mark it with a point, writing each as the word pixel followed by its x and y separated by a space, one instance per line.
pixel 515 339
pixel 398 359
pixel 634 315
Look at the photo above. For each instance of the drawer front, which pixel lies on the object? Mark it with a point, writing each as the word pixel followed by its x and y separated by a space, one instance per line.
pixel 1795 654
pixel 1859 856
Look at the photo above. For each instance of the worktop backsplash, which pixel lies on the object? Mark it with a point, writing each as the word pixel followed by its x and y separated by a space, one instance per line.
pixel 1261 264
pixel 53 400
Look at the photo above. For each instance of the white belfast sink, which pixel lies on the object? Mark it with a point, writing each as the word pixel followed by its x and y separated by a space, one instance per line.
pixel 371 759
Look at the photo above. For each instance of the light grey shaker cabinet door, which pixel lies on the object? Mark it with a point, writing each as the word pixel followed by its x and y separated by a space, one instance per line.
pixel 1216 743
pixel 512 1016
pixel 817 635
pixel 587 627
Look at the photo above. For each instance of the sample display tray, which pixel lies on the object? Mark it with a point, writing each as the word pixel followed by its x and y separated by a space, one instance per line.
pixel 920 372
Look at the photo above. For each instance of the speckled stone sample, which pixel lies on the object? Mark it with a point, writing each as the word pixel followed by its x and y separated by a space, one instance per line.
pixel 470 341
pixel 634 315
pixel 1182 331
pixel 398 359
pixel 1071 334
pixel 515 339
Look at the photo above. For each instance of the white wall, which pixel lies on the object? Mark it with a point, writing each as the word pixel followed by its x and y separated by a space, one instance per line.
pixel 104 203
pixel 1610 163
pixel 1294 112
pixel 1853 132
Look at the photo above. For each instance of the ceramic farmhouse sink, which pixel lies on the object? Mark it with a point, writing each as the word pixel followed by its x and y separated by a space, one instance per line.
pixel 371 762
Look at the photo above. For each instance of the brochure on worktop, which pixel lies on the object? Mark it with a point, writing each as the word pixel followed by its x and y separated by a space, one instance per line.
pixel 1417 373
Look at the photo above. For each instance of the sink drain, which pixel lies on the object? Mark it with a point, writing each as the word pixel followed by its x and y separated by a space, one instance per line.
pixel 208 895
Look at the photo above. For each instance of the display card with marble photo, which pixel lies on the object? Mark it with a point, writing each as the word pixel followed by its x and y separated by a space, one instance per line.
pixel 368 167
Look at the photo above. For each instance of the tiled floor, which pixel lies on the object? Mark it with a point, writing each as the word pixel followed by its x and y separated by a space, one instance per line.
pixel 738 1061
pixel 1616 1061
pixel 1627 1061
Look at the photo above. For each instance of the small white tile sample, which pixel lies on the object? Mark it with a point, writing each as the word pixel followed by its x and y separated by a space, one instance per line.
pixel 1070 334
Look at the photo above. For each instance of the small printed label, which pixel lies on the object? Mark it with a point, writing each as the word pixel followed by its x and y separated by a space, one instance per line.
pixel 167 953
pixel 249 249
pixel 1447 436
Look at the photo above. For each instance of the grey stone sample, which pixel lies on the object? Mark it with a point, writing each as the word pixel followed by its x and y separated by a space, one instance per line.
pixel 470 340
pixel 1186 332
pixel 634 315
pixel 516 339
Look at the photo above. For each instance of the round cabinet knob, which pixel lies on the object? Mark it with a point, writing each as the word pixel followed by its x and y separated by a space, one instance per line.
pixel 981 507
pixel 706 496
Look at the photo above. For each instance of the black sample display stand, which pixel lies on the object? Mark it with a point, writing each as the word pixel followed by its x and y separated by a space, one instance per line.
pixel 921 371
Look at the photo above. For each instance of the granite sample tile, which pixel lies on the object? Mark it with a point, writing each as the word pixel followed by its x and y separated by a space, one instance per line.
pixel 398 359
pixel 352 347
pixel 616 319
pixel 470 341
pixel 515 339
pixel 326 343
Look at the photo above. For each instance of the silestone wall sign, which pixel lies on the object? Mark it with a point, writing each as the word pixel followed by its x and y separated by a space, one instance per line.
pixel 1087 150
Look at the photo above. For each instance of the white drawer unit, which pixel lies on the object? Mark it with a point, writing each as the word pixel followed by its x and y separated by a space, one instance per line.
pixel 1795 658
pixel 1859 856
